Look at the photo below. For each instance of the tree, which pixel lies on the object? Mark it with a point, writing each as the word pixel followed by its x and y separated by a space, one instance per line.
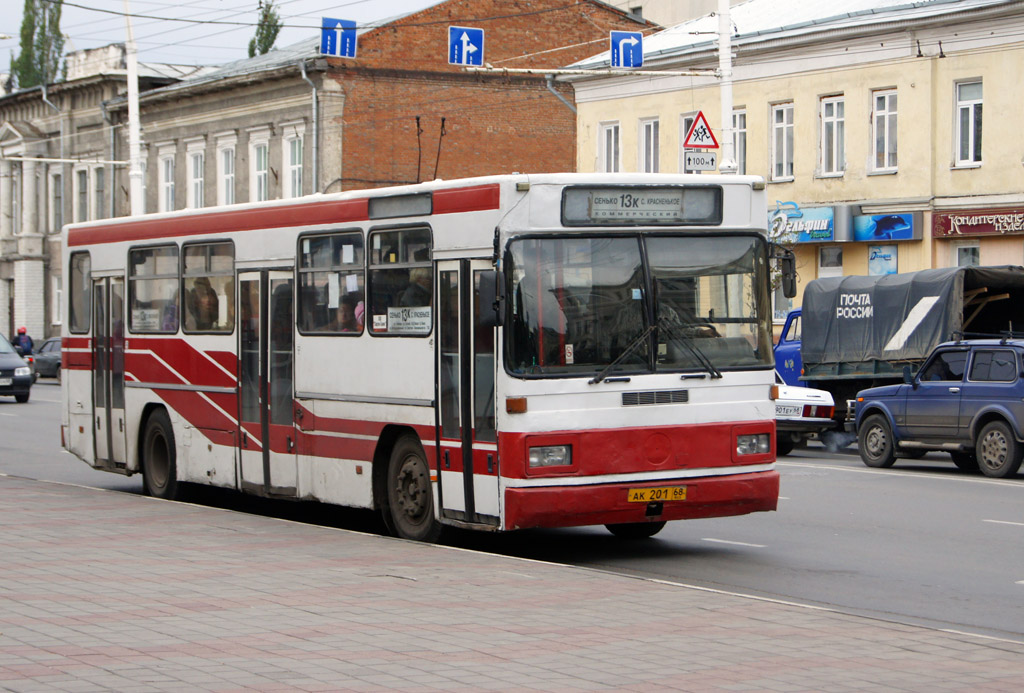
pixel 267 28
pixel 42 45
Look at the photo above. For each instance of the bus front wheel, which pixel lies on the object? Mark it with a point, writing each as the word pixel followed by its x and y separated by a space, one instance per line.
pixel 409 501
pixel 159 473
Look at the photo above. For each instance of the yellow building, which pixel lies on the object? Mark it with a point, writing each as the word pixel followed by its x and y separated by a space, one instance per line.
pixel 867 126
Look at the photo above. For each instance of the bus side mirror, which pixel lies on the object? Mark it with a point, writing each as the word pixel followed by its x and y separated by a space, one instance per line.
pixel 787 264
pixel 492 302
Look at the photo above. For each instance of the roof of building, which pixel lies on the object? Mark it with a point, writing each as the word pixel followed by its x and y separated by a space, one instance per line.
pixel 762 20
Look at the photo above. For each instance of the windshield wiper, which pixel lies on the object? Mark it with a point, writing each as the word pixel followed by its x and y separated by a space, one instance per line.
pixel 691 346
pixel 642 337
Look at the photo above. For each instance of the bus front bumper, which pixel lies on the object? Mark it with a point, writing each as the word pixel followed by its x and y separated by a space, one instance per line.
pixel 575 506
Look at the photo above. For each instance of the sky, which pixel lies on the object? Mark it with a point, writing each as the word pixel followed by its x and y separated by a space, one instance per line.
pixel 92 23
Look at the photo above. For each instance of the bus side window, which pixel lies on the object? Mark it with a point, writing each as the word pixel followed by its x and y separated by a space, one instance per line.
pixel 400 282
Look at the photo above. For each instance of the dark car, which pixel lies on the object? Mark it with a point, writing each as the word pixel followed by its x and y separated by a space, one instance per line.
pixel 16 377
pixel 48 358
pixel 967 399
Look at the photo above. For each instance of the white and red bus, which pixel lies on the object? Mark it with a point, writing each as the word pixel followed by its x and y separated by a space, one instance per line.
pixel 495 353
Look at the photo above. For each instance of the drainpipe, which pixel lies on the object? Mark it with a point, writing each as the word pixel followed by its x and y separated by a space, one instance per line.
pixel 316 133
pixel 561 98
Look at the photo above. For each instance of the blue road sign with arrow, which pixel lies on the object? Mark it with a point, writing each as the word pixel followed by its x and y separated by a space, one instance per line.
pixel 465 46
pixel 627 49
pixel 338 37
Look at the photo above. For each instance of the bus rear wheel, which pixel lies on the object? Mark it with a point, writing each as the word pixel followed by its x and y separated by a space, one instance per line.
pixel 636 530
pixel 409 500
pixel 159 471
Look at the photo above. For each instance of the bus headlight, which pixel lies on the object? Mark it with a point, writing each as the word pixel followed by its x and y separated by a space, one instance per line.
pixel 23 370
pixel 756 444
pixel 551 456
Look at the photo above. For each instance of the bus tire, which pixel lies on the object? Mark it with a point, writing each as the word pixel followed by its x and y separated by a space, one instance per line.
pixel 159 470
pixel 409 494
pixel 636 530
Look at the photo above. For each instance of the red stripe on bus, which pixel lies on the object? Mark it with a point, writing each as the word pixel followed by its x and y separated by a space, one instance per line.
pixel 476 199
pixel 189 363
pixel 207 223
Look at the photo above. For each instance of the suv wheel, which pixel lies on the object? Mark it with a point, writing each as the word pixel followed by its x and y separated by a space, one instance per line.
pixel 999 453
pixel 874 439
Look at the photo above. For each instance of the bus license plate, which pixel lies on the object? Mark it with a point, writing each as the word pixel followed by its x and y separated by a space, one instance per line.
pixel 651 495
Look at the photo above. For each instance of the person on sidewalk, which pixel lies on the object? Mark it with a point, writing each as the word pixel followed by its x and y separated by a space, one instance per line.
pixel 23 341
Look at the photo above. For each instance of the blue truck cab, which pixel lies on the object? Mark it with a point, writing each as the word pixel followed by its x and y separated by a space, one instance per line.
pixel 787 351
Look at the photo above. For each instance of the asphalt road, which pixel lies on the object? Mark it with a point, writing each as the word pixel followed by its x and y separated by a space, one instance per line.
pixel 920 543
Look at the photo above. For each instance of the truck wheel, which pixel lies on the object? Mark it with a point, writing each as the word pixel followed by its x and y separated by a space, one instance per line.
pixel 875 442
pixel 636 530
pixel 999 453
pixel 965 461
pixel 159 470
pixel 409 498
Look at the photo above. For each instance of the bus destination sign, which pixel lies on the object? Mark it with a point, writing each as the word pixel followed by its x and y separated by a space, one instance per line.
pixel 632 205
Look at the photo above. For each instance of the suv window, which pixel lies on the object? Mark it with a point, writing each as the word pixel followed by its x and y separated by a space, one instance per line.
pixel 997 365
pixel 945 365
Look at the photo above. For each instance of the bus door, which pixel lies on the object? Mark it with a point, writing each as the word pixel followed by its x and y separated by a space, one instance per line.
pixel 108 372
pixel 265 355
pixel 467 458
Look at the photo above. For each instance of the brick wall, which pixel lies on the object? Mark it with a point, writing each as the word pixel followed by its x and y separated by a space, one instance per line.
pixel 493 123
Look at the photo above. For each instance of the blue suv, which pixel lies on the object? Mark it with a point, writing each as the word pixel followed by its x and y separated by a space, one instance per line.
pixel 967 399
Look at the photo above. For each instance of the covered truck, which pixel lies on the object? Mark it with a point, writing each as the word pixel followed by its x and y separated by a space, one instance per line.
pixel 856 332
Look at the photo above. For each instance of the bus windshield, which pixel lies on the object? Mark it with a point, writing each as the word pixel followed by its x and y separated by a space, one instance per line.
pixel 638 303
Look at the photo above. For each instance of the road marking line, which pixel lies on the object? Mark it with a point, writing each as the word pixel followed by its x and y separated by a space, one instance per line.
pixel 905 473
pixel 735 543
pixel 1005 522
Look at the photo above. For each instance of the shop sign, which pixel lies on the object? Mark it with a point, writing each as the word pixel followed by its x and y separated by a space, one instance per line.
pixel 887 227
pixel 978 222
pixel 790 223
pixel 882 259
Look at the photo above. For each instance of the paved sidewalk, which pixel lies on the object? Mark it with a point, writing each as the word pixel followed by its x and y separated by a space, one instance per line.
pixel 103 591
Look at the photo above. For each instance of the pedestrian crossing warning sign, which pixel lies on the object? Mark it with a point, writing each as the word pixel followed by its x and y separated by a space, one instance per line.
pixel 700 135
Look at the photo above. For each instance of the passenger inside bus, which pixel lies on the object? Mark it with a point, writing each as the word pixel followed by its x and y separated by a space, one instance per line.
pixel 418 292
pixel 203 306
pixel 349 315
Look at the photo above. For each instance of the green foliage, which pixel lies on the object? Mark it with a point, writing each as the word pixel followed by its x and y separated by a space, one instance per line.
pixel 42 45
pixel 267 28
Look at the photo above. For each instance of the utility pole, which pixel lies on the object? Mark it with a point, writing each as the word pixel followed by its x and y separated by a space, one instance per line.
pixel 728 164
pixel 135 173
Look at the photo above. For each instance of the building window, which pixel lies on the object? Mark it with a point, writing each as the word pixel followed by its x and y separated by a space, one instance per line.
pixel 82 195
pixel 833 125
pixel 56 300
pixel 649 144
pixel 293 167
pixel 739 140
pixel 967 254
pixel 56 202
pixel 883 122
pixel 830 261
pixel 198 160
pixel 226 168
pixel 99 192
pixel 685 123
pixel 259 164
pixel 968 123
pixel 782 141
pixel 609 148
pixel 166 162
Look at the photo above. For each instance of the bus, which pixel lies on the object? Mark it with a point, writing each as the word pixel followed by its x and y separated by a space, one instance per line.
pixel 496 353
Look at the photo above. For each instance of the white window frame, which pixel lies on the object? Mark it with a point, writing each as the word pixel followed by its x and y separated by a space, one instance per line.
pixel 55 200
pixel 884 130
pixel 56 300
pixel 165 177
pixel 259 178
pixel 832 114
pixel 739 139
pixel 685 123
pixel 80 193
pixel 650 144
pixel 830 270
pixel 958 246
pixel 291 166
pixel 609 147
pixel 968 108
pixel 226 167
pixel 195 180
pixel 782 168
